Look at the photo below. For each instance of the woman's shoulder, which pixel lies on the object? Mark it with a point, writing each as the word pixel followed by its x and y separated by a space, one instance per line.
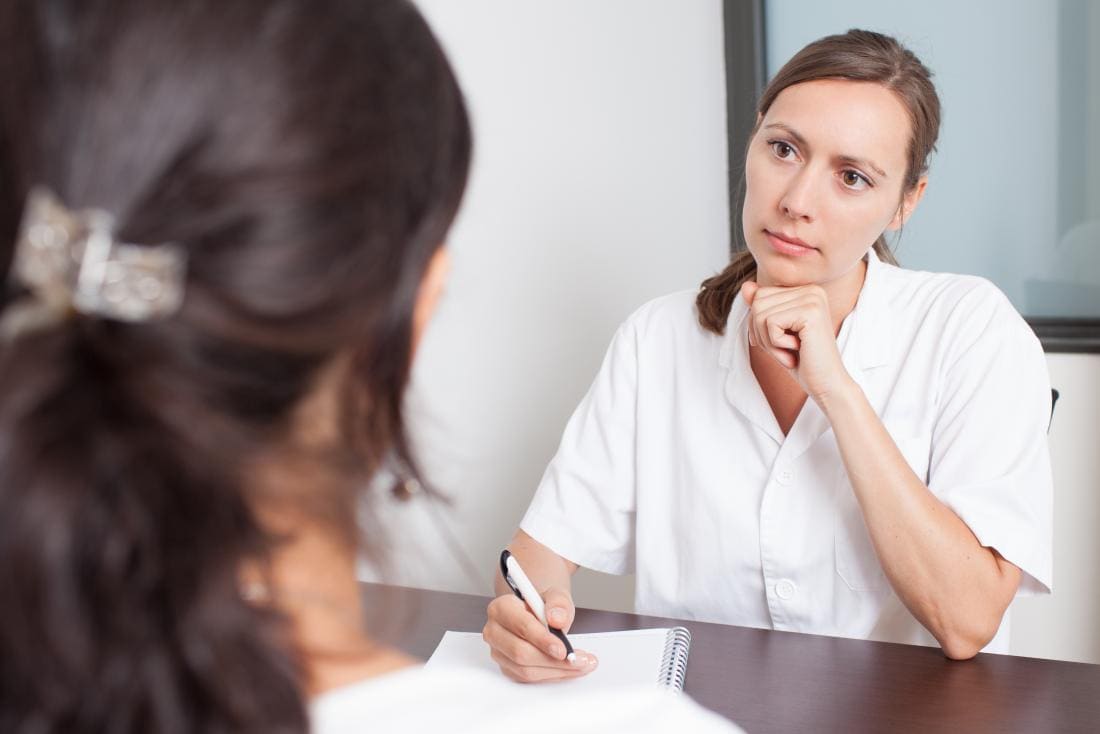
pixel 947 297
pixel 947 288
pixel 417 698
pixel 960 310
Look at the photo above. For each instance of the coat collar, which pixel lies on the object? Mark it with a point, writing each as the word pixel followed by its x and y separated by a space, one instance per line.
pixel 865 343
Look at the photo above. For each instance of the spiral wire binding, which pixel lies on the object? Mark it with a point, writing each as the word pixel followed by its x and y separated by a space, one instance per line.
pixel 674 660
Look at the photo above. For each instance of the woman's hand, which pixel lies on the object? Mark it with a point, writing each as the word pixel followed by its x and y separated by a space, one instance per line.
pixel 524 649
pixel 794 326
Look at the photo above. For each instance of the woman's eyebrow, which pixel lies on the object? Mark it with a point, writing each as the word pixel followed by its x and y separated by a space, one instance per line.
pixel 805 145
pixel 862 163
pixel 790 131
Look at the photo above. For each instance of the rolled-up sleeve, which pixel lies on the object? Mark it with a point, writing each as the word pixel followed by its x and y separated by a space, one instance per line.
pixel 990 461
pixel 584 507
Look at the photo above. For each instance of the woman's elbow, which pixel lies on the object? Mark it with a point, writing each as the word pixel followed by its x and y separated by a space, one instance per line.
pixel 974 626
pixel 965 643
pixel 960 648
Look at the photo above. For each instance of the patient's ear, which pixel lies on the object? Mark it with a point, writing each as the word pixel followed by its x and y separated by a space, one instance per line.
pixel 431 288
pixel 909 204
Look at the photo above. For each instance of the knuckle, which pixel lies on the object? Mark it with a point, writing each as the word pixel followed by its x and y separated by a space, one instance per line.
pixel 514 649
pixel 533 631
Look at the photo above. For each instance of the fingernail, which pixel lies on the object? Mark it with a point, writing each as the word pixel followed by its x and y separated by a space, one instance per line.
pixel 557 615
pixel 557 651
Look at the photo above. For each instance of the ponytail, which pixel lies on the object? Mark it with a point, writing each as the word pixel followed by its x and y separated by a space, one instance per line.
pixel 120 547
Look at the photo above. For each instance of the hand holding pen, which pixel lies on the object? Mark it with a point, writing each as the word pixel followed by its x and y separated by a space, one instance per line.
pixel 525 630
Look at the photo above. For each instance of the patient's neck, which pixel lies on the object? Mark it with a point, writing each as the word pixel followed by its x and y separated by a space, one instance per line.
pixel 311 579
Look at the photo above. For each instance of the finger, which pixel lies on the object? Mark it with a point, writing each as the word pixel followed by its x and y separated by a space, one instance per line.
pixel 776 342
pixel 812 290
pixel 806 320
pixel 779 342
pixel 786 357
pixel 770 298
pixel 529 674
pixel 780 338
pixel 762 319
pixel 559 608
pixel 513 616
pixel 538 674
pixel 748 291
pixel 521 652
pixel 513 619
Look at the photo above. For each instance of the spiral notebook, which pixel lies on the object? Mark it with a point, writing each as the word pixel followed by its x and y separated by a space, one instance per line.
pixel 632 657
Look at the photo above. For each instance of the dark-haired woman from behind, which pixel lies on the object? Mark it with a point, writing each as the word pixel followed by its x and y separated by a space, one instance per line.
pixel 221 231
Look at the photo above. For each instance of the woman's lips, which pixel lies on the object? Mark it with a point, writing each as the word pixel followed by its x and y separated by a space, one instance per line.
pixel 784 246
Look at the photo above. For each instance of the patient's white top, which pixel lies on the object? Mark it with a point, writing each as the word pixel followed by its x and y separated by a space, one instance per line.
pixel 420 699
pixel 674 467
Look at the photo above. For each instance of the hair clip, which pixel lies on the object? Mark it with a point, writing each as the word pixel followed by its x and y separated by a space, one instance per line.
pixel 70 261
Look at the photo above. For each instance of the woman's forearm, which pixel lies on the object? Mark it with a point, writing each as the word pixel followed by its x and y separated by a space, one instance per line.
pixel 954 586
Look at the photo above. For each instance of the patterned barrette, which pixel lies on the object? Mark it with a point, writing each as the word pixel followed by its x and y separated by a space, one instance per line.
pixel 70 262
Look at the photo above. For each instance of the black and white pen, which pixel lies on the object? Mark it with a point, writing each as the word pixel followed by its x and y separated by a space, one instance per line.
pixel 525 590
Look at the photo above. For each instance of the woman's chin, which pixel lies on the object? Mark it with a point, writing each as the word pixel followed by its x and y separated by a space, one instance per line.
pixel 786 275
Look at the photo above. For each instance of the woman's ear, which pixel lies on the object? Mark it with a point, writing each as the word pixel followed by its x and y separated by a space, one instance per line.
pixel 908 204
pixel 431 288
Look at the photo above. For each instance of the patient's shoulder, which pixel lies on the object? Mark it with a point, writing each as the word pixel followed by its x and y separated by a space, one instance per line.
pixel 415 699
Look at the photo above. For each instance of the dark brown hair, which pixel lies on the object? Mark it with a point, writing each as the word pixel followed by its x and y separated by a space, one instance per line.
pixel 310 156
pixel 857 55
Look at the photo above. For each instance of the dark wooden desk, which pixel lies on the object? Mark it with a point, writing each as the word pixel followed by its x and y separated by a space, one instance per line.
pixel 786 682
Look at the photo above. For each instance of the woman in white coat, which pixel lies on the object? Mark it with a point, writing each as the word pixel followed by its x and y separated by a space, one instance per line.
pixel 816 440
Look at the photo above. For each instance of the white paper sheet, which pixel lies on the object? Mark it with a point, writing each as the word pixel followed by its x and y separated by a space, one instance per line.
pixel 630 657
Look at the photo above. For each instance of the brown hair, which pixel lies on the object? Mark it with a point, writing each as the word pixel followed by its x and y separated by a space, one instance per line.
pixel 309 156
pixel 857 55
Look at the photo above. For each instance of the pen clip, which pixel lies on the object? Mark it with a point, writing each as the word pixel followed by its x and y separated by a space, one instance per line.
pixel 504 556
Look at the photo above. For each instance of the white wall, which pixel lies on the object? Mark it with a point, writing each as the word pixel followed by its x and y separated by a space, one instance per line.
pixel 599 182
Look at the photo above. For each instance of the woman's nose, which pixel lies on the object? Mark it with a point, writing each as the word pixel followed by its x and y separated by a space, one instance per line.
pixel 798 200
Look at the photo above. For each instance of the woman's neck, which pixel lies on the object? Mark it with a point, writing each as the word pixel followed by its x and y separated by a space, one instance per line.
pixel 843 293
pixel 311 580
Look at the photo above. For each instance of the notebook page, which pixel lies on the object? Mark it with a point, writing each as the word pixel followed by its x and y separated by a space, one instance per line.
pixel 629 657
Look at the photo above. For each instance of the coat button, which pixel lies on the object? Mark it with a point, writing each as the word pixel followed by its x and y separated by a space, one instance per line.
pixel 784 477
pixel 785 589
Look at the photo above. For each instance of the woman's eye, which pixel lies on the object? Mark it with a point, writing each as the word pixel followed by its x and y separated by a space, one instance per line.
pixel 854 180
pixel 781 149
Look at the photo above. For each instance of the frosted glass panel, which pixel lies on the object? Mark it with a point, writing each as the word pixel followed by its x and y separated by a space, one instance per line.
pixel 1014 192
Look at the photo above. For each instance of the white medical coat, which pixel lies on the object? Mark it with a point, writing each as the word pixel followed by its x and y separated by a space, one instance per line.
pixel 673 466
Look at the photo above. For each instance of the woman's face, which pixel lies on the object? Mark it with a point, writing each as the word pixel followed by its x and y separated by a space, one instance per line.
pixel 823 178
